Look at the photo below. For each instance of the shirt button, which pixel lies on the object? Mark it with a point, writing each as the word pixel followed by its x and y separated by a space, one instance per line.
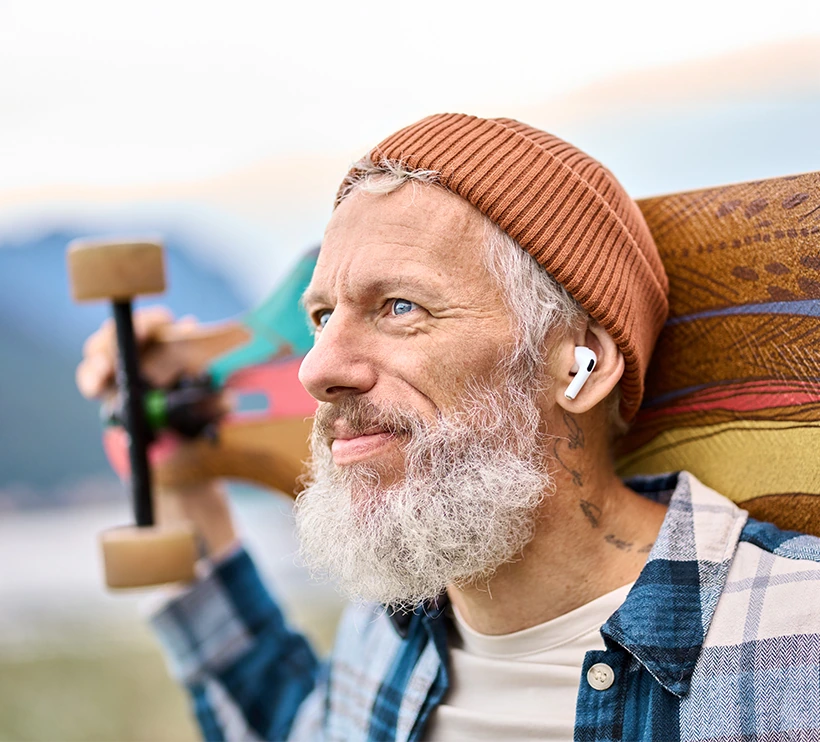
pixel 600 676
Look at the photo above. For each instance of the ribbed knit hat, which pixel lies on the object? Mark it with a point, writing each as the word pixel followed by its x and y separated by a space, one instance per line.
pixel 561 206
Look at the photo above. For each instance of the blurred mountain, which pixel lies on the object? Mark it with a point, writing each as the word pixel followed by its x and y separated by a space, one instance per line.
pixel 750 114
pixel 50 435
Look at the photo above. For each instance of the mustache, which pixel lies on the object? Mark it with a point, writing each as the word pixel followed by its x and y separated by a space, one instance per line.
pixel 361 415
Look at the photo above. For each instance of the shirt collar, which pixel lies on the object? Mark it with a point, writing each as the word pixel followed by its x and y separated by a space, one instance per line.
pixel 401 616
pixel 666 614
pixel 668 611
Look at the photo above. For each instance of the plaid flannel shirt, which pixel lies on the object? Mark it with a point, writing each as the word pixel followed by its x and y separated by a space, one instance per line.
pixel 719 639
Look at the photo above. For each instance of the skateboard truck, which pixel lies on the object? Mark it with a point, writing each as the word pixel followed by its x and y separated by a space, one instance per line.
pixel 190 408
pixel 145 554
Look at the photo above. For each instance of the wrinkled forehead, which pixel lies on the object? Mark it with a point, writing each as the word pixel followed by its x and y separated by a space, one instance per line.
pixel 424 207
pixel 414 229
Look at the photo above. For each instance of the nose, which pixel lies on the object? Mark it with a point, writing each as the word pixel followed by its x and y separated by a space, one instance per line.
pixel 339 362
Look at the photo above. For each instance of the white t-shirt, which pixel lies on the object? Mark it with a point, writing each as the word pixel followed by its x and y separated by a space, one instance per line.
pixel 520 686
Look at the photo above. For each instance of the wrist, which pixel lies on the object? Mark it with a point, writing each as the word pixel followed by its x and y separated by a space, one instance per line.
pixel 207 508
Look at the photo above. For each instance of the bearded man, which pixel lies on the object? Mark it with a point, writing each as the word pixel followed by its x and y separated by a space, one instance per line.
pixel 507 584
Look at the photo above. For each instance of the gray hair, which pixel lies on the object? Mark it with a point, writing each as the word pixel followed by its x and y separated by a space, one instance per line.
pixel 538 304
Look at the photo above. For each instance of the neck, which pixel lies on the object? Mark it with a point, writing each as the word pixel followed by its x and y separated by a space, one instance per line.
pixel 593 536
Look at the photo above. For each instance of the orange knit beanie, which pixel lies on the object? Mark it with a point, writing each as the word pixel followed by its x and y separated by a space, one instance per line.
pixel 561 206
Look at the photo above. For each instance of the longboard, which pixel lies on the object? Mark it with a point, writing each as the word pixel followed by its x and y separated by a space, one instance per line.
pixel 732 393
pixel 733 389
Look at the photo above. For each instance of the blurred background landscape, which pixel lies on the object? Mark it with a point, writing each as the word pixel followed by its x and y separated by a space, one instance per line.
pixel 226 131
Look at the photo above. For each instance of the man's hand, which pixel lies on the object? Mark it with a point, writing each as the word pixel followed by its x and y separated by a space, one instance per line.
pixel 205 505
pixel 161 367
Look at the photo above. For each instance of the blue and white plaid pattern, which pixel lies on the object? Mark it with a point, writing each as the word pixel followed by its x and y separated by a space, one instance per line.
pixel 719 640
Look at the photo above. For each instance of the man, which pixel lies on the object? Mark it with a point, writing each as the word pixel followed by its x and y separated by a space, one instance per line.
pixel 509 585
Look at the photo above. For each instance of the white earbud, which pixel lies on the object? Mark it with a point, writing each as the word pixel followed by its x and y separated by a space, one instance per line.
pixel 585 360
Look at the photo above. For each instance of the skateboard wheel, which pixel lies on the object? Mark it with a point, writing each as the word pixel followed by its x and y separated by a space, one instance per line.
pixel 116 270
pixel 151 555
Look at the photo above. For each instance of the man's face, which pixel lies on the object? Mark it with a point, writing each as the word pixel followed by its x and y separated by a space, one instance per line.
pixel 410 314
pixel 428 464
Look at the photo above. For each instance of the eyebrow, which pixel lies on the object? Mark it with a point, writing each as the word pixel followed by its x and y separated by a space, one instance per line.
pixel 310 296
pixel 392 286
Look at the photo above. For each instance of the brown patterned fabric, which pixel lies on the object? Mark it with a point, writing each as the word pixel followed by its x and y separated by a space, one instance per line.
pixel 564 208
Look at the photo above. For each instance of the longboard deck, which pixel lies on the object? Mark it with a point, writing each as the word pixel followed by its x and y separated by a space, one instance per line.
pixel 732 392
pixel 733 389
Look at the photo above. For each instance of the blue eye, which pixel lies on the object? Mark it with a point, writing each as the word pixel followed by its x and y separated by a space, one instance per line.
pixel 403 306
pixel 323 317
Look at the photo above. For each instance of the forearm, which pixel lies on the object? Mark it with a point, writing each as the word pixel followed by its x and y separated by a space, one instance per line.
pixel 227 640
pixel 224 635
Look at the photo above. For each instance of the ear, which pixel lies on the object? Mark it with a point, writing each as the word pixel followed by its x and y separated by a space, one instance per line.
pixel 608 369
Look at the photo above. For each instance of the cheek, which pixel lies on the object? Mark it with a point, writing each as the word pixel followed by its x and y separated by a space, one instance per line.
pixel 443 373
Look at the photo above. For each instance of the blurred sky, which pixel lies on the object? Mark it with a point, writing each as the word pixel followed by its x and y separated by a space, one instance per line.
pixel 241 118
pixel 111 93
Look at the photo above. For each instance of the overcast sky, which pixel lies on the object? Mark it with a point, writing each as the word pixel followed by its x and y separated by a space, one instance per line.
pixel 101 92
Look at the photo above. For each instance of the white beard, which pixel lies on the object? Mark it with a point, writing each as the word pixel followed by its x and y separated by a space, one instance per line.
pixel 467 501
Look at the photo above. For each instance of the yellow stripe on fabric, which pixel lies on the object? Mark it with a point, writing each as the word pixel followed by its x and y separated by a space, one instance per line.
pixel 741 460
